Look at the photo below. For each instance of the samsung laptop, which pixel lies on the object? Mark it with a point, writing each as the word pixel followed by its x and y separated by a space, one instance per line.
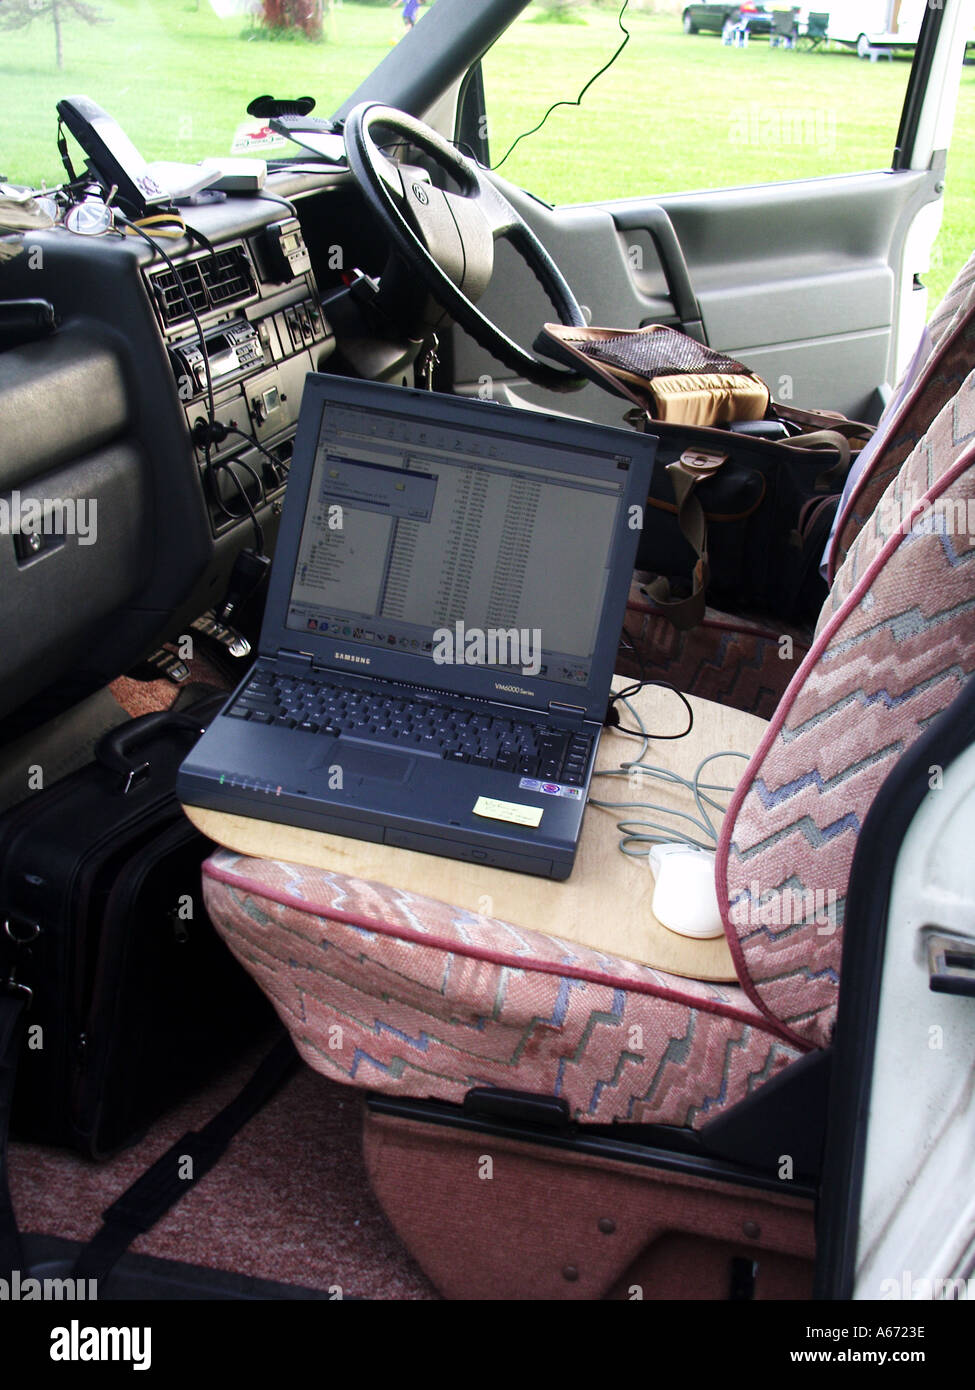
pixel 441 628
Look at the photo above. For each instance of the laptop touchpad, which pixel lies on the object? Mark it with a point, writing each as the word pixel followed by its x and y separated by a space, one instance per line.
pixel 357 760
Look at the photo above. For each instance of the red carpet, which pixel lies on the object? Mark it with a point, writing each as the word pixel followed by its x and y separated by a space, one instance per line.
pixel 289 1201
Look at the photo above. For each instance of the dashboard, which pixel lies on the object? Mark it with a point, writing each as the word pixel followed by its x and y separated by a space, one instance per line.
pixel 113 401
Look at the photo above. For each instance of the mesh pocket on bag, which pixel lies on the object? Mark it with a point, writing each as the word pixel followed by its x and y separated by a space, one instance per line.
pixel 663 352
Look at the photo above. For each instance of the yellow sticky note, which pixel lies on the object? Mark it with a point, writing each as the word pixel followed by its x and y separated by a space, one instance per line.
pixel 507 810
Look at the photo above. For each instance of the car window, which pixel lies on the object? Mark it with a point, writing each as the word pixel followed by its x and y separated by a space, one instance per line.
pixel 680 111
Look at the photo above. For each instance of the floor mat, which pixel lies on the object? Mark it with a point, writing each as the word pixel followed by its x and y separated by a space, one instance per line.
pixel 289 1201
pixel 143 697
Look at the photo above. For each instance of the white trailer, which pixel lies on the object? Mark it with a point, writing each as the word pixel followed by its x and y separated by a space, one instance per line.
pixel 871 24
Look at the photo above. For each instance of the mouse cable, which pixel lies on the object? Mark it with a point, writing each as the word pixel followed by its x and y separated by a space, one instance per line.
pixel 635 838
pixel 638 834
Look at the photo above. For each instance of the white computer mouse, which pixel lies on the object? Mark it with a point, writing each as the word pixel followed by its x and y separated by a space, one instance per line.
pixel 684 896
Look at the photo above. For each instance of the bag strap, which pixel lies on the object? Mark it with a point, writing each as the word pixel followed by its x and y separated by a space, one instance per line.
pixel 832 478
pixel 170 1178
pixel 824 419
pixel 156 1190
pixel 693 466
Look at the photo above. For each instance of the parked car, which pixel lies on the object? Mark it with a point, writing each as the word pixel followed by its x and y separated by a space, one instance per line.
pixel 713 19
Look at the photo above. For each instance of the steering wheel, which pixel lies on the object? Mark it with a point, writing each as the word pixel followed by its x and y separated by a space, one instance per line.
pixel 448 239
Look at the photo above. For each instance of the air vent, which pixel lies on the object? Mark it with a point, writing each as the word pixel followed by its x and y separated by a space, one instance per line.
pixel 171 299
pixel 227 276
pixel 208 282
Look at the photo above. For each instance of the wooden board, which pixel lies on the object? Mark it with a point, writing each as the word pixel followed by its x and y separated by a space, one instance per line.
pixel 605 903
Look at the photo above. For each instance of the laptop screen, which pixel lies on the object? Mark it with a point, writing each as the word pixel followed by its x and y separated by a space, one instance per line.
pixel 464 546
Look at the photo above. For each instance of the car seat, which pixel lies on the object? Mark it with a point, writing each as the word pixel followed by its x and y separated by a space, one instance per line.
pixel 552 1119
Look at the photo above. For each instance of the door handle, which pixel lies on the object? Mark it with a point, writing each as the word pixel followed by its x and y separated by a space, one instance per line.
pixel 951 964
pixel 654 220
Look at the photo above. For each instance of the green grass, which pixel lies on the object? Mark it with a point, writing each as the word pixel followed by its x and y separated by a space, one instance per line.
pixel 674 113
pixel 175 77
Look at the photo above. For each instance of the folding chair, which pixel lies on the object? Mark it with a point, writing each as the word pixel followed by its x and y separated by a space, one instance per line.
pixel 816 33
pixel 785 29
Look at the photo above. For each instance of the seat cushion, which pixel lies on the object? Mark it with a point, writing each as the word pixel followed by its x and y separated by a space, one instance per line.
pixel 573 909
pixel 395 992
pixel 894 647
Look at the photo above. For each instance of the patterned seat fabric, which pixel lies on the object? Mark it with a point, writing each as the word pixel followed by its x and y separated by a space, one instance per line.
pixel 894 646
pixel 946 318
pixel 398 993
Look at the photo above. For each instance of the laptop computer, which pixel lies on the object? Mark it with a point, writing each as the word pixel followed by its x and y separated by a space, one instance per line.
pixel 441 628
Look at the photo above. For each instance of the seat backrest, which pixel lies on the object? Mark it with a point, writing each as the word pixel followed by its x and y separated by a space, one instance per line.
pixel 894 646
pixel 950 357
pixel 947 318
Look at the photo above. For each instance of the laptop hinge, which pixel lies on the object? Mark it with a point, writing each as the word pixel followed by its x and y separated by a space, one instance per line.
pixel 572 714
pixel 298 658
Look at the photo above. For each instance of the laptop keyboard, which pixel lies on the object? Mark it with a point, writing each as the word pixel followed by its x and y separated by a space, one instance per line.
pixel 453 731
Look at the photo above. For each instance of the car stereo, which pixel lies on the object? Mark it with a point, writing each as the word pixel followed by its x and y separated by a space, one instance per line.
pixel 243 327
pixel 235 348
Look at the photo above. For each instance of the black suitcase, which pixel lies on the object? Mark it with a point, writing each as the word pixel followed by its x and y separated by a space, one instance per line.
pixel 135 1000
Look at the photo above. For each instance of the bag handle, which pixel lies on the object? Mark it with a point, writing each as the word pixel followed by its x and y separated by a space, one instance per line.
pixel 824 419
pixel 116 749
pixel 833 477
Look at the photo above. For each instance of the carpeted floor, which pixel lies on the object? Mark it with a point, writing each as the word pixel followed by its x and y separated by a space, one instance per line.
pixel 289 1201
pixel 143 697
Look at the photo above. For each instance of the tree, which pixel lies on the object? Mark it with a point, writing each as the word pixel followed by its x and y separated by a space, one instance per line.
pixel 306 15
pixel 18 14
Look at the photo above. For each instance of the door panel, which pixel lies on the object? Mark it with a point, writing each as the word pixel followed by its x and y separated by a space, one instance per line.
pixel 799 279
pixel 917 1208
pixel 896 1216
